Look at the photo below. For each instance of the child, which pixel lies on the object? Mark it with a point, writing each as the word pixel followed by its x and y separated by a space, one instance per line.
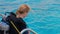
pixel 17 19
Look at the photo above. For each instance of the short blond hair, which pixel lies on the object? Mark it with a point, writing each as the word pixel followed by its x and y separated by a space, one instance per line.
pixel 27 8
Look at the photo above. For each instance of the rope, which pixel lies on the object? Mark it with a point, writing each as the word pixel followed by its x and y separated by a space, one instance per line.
pixel 15 27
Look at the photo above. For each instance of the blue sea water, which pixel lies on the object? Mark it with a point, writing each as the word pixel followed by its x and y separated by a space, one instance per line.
pixel 44 15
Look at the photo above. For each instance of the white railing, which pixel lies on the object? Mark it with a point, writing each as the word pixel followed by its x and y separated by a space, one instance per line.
pixel 27 29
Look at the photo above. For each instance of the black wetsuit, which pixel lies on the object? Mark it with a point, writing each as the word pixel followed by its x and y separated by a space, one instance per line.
pixel 19 23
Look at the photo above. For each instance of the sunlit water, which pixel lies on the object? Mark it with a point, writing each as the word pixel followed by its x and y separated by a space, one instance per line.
pixel 44 15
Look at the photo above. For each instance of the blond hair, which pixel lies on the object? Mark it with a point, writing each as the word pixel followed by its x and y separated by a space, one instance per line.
pixel 23 6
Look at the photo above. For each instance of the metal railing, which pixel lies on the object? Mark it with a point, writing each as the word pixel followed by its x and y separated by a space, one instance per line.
pixel 27 29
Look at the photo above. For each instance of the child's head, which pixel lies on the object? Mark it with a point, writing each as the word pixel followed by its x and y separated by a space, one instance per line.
pixel 23 10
